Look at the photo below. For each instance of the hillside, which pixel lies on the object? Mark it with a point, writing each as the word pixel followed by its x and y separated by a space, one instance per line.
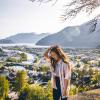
pixel 24 38
pixel 84 35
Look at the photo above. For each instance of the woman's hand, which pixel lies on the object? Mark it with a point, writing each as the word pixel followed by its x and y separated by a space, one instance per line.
pixel 66 88
pixel 46 52
pixel 64 93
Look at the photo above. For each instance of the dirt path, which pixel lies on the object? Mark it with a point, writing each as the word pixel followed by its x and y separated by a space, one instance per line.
pixel 89 95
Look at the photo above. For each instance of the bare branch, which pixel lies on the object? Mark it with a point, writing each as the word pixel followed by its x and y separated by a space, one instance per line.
pixel 44 1
pixel 76 6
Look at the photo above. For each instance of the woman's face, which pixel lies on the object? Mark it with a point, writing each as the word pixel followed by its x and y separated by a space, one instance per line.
pixel 54 55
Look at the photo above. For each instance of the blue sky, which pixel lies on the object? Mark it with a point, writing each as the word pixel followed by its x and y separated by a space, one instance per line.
pixel 18 16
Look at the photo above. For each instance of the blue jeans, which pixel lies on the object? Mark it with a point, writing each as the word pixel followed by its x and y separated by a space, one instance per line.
pixel 57 92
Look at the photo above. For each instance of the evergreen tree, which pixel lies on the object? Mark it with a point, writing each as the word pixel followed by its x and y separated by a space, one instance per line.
pixel 4 88
pixel 21 80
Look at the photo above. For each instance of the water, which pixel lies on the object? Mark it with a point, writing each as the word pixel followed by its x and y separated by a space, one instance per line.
pixel 17 68
pixel 23 44
pixel 30 59
pixel 4 73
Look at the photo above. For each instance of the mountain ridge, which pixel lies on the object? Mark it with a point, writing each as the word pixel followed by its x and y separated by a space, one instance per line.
pixel 25 37
pixel 85 35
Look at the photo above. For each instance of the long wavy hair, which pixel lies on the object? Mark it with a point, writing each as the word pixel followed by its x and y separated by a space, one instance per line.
pixel 60 53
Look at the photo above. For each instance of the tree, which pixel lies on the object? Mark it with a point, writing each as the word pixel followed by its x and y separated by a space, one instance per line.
pixel 1 64
pixel 13 59
pixel 44 68
pixel 75 6
pixel 49 92
pixel 21 80
pixel 23 56
pixel 36 92
pixel 1 50
pixel 4 88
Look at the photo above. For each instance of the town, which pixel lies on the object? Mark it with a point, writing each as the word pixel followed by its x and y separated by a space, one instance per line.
pixel 30 62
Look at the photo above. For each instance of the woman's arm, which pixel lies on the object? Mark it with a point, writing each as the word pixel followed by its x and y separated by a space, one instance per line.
pixel 67 71
pixel 66 89
pixel 46 53
pixel 53 81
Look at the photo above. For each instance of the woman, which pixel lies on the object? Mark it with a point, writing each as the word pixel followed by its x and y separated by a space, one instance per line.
pixel 61 72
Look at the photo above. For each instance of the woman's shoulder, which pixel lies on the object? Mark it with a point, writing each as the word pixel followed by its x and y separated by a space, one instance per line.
pixel 68 64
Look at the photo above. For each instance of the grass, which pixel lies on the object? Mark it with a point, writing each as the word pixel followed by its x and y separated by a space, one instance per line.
pixel 89 95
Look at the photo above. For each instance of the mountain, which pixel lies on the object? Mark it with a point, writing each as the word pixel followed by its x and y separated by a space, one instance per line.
pixel 5 41
pixel 85 35
pixel 98 47
pixel 25 37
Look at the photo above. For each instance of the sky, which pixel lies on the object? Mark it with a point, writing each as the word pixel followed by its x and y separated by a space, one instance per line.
pixel 23 16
